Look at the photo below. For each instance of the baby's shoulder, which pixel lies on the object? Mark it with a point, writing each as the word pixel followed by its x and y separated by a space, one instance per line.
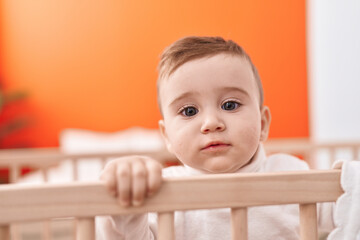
pixel 284 162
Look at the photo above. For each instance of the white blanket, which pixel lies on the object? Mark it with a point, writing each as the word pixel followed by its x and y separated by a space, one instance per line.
pixel 347 211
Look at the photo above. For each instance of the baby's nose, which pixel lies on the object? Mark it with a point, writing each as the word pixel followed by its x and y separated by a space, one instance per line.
pixel 212 124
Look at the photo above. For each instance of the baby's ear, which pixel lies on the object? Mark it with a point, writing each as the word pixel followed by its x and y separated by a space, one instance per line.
pixel 265 123
pixel 164 135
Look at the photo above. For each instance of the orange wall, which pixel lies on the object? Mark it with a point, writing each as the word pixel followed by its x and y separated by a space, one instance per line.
pixel 92 64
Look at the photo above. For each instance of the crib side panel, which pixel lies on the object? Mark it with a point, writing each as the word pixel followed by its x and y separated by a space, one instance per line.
pixel 23 203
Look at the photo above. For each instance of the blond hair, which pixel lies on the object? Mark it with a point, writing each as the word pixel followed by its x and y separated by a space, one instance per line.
pixel 191 48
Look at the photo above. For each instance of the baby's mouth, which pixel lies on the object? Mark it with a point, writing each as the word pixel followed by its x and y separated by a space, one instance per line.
pixel 216 146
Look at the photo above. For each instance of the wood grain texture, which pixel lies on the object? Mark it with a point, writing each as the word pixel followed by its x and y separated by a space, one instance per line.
pixel 166 228
pixel 239 224
pixel 24 202
pixel 308 222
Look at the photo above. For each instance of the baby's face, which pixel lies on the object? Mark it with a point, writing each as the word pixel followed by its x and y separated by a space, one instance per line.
pixel 212 120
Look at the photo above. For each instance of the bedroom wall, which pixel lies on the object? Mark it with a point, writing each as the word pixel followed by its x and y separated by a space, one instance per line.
pixel 92 64
pixel 334 70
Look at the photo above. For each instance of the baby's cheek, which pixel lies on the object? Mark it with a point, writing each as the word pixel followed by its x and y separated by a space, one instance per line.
pixel 183 151
pixel 182 148
pixel 251 138
pixel 253 131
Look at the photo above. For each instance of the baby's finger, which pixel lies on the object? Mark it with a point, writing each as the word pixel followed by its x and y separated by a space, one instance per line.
pixel 109 178
pixel 139 176
pixel 123 175
pixel 154 177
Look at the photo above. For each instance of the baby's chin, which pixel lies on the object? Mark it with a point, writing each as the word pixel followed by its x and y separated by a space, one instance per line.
pixel 222 168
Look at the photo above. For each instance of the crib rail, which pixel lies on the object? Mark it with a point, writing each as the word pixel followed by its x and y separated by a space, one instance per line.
pixel 86 200
pixel 44 158
pixel 313 152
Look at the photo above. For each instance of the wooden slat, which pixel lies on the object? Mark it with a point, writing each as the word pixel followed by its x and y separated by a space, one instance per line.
pixel 166 229
pixel 103 162
pixel 332 157
pixel 75 170
pixel 288 145
pixel 308 222
pixel 46 230
pixel 30 157
pixel 44 173
pixel 239 224
pixel 337 145
pixel 15 232
pixel 47 157
pixel 355 151
pixel 202 192
pixel 85 229
pixel 14 173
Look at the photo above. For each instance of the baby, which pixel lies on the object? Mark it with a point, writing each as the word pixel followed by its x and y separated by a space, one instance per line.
pixel 214 120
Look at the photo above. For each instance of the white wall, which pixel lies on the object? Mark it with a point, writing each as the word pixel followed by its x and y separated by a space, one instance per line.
pixel 333 31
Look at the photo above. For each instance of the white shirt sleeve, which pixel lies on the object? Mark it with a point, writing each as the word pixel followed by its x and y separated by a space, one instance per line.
pixel 125 227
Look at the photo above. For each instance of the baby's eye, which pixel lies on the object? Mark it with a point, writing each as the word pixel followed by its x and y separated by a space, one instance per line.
pixel 230 105
pixel 189 111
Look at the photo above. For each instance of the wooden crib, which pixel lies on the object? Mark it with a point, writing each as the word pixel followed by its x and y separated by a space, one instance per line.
pixel 43 159
pixel 84 201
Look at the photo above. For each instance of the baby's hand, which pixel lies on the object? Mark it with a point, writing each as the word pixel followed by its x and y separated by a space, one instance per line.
pixel 132 178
